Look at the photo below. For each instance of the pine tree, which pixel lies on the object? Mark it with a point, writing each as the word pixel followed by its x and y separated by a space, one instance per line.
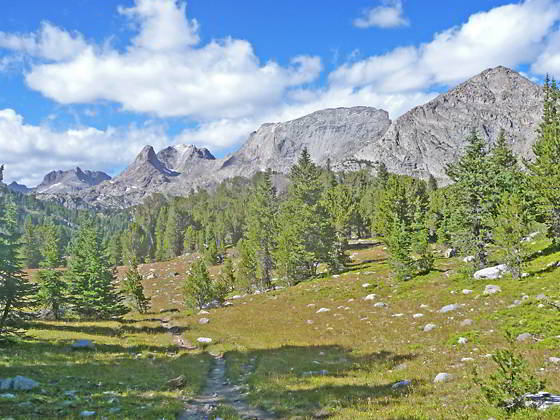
pixel 305 238
pixel 197 289
pixel 247 269
pixel 52 287
pixel 262 229
pixel 31 244
pixel 510 227
pixel 91 280
pixel 115 250
pixel 545 169
pixel 173 240
pixel 227 276
pixel 133 289
pixel 160 233
pixel 134 243
pixel 473 200
pixel 15 291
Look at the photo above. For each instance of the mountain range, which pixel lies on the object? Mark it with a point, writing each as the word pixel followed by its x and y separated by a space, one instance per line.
pixel 420 143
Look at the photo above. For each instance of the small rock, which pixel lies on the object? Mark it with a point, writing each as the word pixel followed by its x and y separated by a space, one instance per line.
pixel 204 340
pixel 86 413
pixel 178 382
pixel 449 308
pixel 417 316
pixel 524 275
pixel 524 337
pixel 321 310
pixel 203 321
pixel 401 384
pixel 366 285
pixel 467 291
pixel 490 289
pixel 203 312
pixel 450 252
pixel 467 359
pixel 554 360
pixel 7 396
pixel 462 340
pixel 397 315
pixel 21 383
pixel 370 297
pixel 309 321
pixel 380 305
pixel 491 273
pixel 466 322
pixel 468 258
pixel 429 327
pixel 443 377
pixel 541 296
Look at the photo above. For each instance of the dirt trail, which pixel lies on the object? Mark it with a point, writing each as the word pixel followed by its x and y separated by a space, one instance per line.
pixel 218 390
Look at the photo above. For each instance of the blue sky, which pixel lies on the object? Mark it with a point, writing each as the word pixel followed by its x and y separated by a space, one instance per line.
pixel 89 82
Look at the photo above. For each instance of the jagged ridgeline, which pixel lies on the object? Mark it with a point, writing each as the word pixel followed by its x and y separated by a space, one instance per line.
pixel 420 143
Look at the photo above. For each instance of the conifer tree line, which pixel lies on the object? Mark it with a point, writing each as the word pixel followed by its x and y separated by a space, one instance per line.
pixel 287 235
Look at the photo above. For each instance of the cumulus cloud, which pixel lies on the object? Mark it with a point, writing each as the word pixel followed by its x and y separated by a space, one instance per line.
pixel 508 35
pixel 50 42
pixel 388 15
pixel 30 151
pixel 164 71
pixel 226 91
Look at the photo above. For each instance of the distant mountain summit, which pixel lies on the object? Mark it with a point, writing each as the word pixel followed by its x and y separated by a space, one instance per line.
pixel 61 182
pixel 20 188
pixel 419 143
pixel 429 137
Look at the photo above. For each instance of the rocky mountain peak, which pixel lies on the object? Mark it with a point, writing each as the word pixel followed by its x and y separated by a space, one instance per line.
pixel 181 156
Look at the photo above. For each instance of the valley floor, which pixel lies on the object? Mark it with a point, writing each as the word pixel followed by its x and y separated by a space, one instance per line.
pixel 292 359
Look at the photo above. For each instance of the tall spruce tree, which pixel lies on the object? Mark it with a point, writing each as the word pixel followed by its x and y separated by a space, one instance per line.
pixel 133 289
pixel 261 231
pixel 31 243
pixel 473 198
pixel 15 291
pixel 52 287
pixel 545 169
pixel 92 282
pixel 306 237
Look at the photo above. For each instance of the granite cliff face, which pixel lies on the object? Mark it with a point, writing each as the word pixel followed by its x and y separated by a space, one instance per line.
pixel 60 182
pixel 429 137
pixel 419 143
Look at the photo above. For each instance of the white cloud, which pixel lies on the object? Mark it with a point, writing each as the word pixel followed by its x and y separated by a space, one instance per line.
pixel 50 42
pixel 548 61
pixel 388 15
pixel 30 151
pixel 508 35
pixel 164 71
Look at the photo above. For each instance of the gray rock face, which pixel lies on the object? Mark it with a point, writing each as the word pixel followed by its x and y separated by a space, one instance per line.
pixel 18 383
pixel 20 188
pixel 429 137
pixel 59 182
pixel 421 142
pixel 491 273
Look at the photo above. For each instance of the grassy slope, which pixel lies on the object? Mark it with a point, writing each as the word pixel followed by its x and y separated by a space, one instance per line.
pixel 364 349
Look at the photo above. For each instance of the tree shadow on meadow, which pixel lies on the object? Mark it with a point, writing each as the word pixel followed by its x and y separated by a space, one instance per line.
pixel 308 381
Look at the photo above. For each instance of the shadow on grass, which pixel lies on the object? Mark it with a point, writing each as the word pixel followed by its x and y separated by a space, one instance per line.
pixel 363 245
pixel 112 385
pixel 102 329
pixel 304 381
pixel 549 250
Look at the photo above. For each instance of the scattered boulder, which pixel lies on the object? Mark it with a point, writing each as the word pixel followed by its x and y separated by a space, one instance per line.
pixel 87 413
pixel 467 359
pixel 450 253
pixel 177 383
pixel 467 291
pixel 468 258
pixel 380 305
pixel 204 340
pixel 554 360
pixel 443 377
pixel 203 321
pixel 541 400
pixel 491 289
pixel 366 285
pixel 491 273
pixel 7 396
pixel 370 297
pixel 449 308
pixel 530 237
pixel 466 322
pixel 462 340
pixel 524 337
pixel 321 310
pixel 429 327
pixel 83 345
pixel 541 296
pixel 417 316
pixel 203 312
pixel 401 384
